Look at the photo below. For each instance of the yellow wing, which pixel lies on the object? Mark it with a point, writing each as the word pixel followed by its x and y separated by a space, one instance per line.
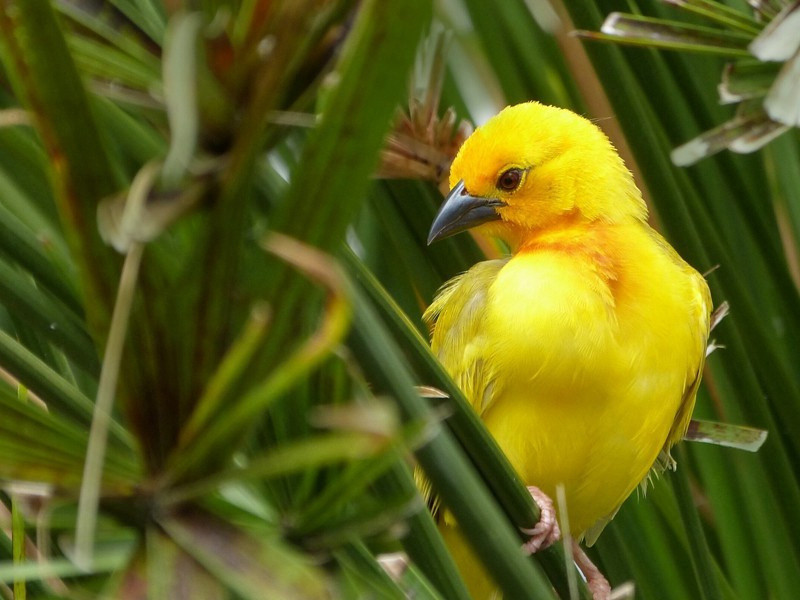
pixel 456 316
pixel 700 308
pixel 699 314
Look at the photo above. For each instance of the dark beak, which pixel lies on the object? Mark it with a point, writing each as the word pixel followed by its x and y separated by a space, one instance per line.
pixel 461 211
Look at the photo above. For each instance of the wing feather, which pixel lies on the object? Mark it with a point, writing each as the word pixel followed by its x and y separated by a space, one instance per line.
pixel 701 308
pixel 456 318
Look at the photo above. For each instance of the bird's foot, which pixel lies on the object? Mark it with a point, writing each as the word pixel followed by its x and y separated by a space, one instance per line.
pixel 595 580
pixel 546 532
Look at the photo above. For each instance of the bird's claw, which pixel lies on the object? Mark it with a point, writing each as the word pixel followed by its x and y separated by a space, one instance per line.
pixel 546 532
pixel 595 580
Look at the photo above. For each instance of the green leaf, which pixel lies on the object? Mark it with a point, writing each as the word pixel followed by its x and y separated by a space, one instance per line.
pixel 180 94
pixel 307 454
pixel 779 40
pixel 254 568
pixel 698 214
pixel 206 438
pixel 745 133
pixel 342 152
pixel 649 32
pixel 781 101
pixel 39 446
pixel 526 62
pixel 60 395
pixel 30 571
pixel 700 553
pixel 30 251
pixel 480 520
pixel 18 542
pixel 724 434
pixel 106 63
pixel 36 54
pixel 746 79
pixel 148 15
pixel 717 12
pixel 475 439
pixel 51 319
pixel 358 564
pixel 423 542
pixel 168 572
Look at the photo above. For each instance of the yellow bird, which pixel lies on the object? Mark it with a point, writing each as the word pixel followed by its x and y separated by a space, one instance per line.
pixel 582 352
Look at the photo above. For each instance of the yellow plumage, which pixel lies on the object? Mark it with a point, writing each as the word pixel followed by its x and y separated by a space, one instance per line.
pixel 582 351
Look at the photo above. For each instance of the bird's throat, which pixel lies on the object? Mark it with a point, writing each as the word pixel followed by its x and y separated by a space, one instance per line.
pixel 571 227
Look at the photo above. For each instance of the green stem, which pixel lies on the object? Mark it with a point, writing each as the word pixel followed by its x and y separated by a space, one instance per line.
pixel 481 521
pixel 475 440
pixel 699 552
pixel 18 545
pixel 106 391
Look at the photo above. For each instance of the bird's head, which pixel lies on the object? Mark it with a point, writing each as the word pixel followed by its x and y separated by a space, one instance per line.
pixel 530 167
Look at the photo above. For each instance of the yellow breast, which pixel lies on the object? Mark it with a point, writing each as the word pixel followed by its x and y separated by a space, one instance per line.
pixel 577 355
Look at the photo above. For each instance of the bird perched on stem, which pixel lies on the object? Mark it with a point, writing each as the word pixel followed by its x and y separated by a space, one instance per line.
pixel 582 351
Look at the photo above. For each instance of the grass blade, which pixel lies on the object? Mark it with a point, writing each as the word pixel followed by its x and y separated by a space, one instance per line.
pixel 36 54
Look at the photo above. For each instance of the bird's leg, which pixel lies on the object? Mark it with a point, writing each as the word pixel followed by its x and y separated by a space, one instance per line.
pixel 546 532
pixel 595 580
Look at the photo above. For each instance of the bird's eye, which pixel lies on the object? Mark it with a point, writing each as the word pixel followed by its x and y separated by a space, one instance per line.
pixel 509 180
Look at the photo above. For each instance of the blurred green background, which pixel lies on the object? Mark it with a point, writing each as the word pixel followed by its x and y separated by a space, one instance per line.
pixel 213 217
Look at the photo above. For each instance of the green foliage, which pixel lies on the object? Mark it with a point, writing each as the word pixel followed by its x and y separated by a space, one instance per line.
pixel 757 40
pixel 197 266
